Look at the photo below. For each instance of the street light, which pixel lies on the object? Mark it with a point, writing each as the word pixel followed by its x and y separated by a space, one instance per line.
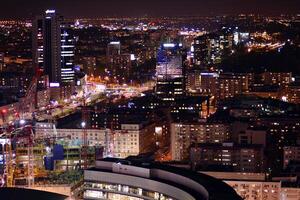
pixel 22 122
pixel 83 124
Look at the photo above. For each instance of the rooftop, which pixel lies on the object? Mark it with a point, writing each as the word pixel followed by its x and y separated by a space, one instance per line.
pixel 216 189
pixel 27 194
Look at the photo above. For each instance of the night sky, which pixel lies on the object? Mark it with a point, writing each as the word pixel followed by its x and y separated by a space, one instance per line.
pixel 98 8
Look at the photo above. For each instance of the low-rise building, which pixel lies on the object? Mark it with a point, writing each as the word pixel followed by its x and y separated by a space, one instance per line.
pixel 276 78
pixel 253 186
pixel 130 179
pixel 252 190
pixel 133 139
pixel 290 153
pixel 239 158
pixel 95 137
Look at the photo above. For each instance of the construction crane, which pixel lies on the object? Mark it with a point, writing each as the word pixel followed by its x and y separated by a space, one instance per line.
pixel 85 111
pixel 8 170
pixel 23 136
pixel 9 160
pixel 85 116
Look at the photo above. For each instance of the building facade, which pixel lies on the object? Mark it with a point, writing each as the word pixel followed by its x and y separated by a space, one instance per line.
pixel 240 158
pixel 183 135
pixel 53 48
pixel 170 82
pixel 126 179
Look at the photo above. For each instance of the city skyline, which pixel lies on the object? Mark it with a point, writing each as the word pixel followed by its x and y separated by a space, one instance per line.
pixel 134 8
pixel 163 108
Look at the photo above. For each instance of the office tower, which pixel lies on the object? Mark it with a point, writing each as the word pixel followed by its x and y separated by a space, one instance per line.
pixel 170 71
pixel 114 48
pixel 200 48
pixel 209 49
pixel 118 64
pixel 67 53
pixel 226 42
pixel 53 48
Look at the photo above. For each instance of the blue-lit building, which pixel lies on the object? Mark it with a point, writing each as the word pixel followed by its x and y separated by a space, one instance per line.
pixel 170 71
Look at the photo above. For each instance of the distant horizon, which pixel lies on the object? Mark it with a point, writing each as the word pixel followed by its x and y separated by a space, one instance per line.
pixel 149 17
pixel 18 9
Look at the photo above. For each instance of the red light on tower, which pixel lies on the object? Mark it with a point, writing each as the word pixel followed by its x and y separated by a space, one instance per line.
pixel 4 111
pixel 17 114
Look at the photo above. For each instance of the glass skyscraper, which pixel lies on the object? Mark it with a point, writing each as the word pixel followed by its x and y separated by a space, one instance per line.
pixel 170 71
pixel 53 48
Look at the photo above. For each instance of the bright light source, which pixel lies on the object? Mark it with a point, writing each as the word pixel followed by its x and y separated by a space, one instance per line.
pixel 115 42
pixel 52 85
pixel 192 49
pixel 132 57
pixel 284 98
pixel 83 124
pixel 22 122
pixel 50 11
pixel 169 45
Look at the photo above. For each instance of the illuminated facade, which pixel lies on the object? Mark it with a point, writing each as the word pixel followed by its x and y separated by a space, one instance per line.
pixel 230 85
pixel 241 158
pixel 170 72
pixel 130 180
pixel 273 78
pixel 220 86
pixel 169 62
pixel 251 190
pixel 53 48
pixel 119 64
pixel 290 153
pixel 209 49
pixel 133 139
pixel 67 54
pixel 130 140
pixel 205 83
pixel 183 135
pixel 200 49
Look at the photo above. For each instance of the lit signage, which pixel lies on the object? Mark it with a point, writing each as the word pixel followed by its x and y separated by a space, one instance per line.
pixel 132 57
pixel 114 43
pixel 210 74
pixel 53 85
pixel 50 11
pixel 169 45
